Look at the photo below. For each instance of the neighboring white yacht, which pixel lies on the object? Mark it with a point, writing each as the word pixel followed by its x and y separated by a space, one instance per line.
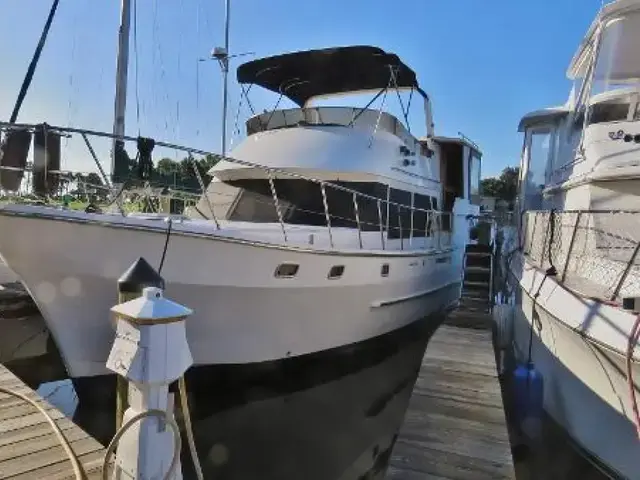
pixel 326 250
pixel 578 273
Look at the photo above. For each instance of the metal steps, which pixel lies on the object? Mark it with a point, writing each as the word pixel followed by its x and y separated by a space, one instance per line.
pixel 477 269
pixel 477 282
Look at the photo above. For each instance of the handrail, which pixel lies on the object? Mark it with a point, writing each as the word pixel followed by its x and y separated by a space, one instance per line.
pixel 356 212
pixel 625 274
pixel 433 218
pixel 586 211
pixel 571 242
pixel 197 151
pixel 602 256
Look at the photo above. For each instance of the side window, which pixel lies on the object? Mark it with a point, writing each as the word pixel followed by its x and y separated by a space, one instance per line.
pixel 474 176
pixel 420 227
pixel 537 157
pixel 399 218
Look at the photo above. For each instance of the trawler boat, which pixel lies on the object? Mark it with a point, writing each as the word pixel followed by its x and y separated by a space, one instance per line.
pixel 324 253
pixel 577 273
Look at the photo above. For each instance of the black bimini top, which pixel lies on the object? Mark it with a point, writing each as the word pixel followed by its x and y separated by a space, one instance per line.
pixel 303 75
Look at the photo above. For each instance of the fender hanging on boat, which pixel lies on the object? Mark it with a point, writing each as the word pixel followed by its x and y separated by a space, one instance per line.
pixel 46 161
pixel 14 151
pixel 528 389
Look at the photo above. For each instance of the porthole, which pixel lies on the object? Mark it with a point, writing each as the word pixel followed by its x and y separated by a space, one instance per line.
pixel 384 271
pixel 287 270
pixel 336 272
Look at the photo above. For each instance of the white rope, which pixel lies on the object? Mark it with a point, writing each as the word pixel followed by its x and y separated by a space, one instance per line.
pixel 136 418
pixel 186 415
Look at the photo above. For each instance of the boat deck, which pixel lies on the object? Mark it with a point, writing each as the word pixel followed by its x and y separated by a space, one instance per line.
pixel 28 447
pixel 455 426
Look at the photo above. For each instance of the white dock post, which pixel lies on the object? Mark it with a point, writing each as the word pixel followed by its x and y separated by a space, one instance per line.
pixel 151 351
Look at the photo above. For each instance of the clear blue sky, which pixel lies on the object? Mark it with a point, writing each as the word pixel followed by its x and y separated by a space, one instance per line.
pixel 484 62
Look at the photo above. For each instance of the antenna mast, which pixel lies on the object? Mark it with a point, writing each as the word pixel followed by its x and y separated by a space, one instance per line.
pixel 222 55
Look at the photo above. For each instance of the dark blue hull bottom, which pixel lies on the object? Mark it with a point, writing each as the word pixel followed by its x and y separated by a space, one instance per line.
pixel 334 414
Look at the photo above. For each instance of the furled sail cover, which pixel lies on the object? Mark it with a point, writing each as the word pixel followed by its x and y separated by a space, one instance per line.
pixel 14 151
pixel 304 75
pixel 46 161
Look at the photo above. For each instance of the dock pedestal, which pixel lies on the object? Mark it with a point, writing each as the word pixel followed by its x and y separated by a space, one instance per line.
pixel 151 352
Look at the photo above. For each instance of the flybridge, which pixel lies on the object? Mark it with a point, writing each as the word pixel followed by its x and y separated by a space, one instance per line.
pixel 305 75
pixel 300 76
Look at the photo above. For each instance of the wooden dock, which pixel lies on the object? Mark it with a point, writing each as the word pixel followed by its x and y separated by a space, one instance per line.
pixel 455 426
pixel 29 449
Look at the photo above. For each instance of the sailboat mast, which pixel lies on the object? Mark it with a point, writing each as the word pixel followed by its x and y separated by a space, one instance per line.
pixel 225 76
pixel 120 103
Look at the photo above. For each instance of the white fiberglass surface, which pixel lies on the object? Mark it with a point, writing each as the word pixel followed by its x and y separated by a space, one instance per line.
pixel 308 236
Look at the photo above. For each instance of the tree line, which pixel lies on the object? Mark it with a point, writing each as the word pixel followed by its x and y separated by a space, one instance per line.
pixel 176 174
pixel 503 187
pixel 181 174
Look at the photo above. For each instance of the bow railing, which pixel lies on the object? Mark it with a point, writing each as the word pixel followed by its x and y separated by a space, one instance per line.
pixel 339 209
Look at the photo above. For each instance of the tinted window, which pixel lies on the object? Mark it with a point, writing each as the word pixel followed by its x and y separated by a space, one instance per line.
pixel 301 203
pixel 399 218
pixel 420 225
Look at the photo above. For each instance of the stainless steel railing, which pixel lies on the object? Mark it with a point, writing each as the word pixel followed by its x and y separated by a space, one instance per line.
pixel 597 246
pixel 406 235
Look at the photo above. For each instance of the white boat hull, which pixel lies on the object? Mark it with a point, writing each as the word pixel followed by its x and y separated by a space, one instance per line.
pixel 243 313
pixel 578 346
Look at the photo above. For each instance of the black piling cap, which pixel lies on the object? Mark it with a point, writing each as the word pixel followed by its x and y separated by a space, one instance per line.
pixel 138 276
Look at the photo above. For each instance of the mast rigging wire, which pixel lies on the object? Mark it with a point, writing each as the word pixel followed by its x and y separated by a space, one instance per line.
pixel 34 63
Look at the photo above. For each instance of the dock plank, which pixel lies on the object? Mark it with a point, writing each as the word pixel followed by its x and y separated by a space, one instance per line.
pixel 28 446
pixel 455 426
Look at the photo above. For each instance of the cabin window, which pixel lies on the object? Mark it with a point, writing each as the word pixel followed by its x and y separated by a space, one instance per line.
pixel 384 270
pixel 300 203
pixel 538 149
pixel 474 176
pixel 616 68
pixel 399 217
pixel 336 272
pixel 616 110
pixel 287 270
pixel 420 226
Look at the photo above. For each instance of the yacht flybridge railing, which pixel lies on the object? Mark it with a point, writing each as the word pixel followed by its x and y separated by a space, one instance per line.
pixel 394 225
pixel 595 252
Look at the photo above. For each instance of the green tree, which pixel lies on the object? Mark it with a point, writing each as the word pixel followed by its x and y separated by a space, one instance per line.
pixel 503 187
pixel 93 179
pixel 509 178
pixel 208 162
pixel 167 167
pixel 491 187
